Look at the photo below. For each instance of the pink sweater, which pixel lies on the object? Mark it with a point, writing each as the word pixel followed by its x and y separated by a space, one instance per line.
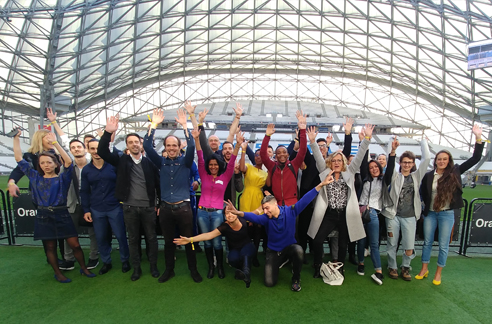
pixel 213 189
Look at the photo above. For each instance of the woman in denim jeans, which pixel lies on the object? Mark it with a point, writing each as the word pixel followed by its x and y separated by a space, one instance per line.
pixel 441 192
pixel 214 185
pixel 375 196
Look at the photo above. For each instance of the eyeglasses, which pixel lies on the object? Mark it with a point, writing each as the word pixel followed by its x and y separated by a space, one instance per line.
pixel 323 146
pixel 257 154
pixel 336 161
pixel 406 162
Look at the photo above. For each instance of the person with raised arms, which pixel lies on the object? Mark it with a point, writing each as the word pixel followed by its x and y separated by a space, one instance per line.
pixel 280 225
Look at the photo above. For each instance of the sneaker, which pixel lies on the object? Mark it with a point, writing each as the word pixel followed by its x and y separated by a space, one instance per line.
pixel 405 274
pixel 360 270
pixel 296 285
pixel 67 265
pixel 393 274
pixel 367 253
pixel 378 278
pixel 92 264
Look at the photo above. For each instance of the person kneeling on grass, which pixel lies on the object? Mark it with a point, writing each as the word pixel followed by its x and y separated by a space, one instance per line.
pixel 280 225
pixel 241 248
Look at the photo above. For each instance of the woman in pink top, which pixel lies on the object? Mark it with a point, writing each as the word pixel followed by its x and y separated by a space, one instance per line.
pixel 214 185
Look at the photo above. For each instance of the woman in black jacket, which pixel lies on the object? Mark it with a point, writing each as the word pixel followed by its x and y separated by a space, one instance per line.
pixel 441 191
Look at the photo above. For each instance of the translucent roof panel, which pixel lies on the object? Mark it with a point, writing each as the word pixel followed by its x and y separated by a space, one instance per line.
pixel 401 58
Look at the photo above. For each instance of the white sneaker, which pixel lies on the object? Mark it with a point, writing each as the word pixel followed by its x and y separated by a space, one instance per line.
pixel 367 252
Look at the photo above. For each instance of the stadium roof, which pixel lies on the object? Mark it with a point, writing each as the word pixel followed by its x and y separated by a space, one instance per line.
pixel 92 58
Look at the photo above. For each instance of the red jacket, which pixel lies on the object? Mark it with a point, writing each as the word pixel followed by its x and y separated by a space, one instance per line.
pixel 284 182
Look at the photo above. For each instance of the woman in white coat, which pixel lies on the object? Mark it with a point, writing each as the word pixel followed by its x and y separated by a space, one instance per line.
pixel 337 206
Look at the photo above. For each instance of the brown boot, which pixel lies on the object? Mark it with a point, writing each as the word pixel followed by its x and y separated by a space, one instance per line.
pixel 393 273
pixel 405 274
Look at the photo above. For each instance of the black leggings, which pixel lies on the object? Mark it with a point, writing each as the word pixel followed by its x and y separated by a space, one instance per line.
pixel 73 242
pixel 334 219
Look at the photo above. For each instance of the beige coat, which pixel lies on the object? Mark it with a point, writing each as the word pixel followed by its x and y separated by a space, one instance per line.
pixel 354 221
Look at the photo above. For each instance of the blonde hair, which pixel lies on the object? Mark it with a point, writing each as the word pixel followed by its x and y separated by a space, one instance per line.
pixel 331 156
pixel 37 141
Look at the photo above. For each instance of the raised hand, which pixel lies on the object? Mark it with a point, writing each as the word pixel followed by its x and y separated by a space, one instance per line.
pixel 362 134
pixel 195 133
pixel 157 116
pixel 312 133
pixel 329 139
pixel 477 130
pixel 181 119
pixel 111 124
pixel 49 114
pixel 270 129
pixel 239 138
pixel 202 115
pixel 19 132
pixel 230 208
pixel 51 137
pixel 349 122
pixel 329 179
pixel 368 128
pixel 189 108
pixel 244 145
pixel 301 120
pixel 238 110
pixel 394 144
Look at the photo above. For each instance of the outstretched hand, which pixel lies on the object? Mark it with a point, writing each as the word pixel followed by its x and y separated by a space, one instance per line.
pixel 157 116
pixel 51 137
pixel 195 133
pixel 202 115
pixel 349 122
pixel 238 110
pixel 50 115
pixel 394 144
pixel 477 130
pixel 182 240
pixel 230 208
pixel 270 129
pixel 329 179
pixel 239 138
pixel 181 119
pixel 301 120
pixel 311 133
pixel 189 108
pixel 329 139
pixel 111 124
pixel 368 129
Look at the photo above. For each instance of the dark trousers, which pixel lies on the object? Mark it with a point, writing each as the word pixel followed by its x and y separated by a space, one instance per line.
pixel 236 256
pixel 334 219
pixel 170 217
pixel 302 227
pixel 274 260
pixel 134 218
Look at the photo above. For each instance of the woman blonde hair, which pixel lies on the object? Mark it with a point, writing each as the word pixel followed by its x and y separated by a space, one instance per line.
pixel 332 155
pixel 37 141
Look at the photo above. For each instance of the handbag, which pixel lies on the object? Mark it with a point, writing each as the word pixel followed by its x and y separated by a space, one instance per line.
pixel 331 275
pixel 365 211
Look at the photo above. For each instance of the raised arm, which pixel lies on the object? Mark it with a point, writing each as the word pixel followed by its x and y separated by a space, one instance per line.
pixel 477 152
pixel 301 124
pixel 390 168
pixel 17 148
pixel 424 162
pixel 235 123
pixel 347 144
pixel 67 161
pixel 242 161
pixel 264 147
pixel 318 157
pixel 356 162
pixel 103 148
pixel 191 111
pixel 207 151
pixel 181 119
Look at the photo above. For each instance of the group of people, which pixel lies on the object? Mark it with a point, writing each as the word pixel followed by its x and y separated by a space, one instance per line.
pixel 290 198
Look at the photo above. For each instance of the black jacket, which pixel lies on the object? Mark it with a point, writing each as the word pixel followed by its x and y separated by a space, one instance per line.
pixel 457 202
pixel 123 165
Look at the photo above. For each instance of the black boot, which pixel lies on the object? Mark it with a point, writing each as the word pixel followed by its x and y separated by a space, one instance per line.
pixel 154 271
pixel 219 255
pixel 137 272
pixel 209 253
pixel 247 271
pixel 317 268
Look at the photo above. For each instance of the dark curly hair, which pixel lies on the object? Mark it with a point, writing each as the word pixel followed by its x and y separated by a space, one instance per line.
pixel 219 162
pixel 446 185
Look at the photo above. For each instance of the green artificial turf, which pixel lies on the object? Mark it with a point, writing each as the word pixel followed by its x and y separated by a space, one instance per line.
pixel 29 294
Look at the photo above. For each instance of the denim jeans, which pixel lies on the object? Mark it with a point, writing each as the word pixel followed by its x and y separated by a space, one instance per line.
pixel 408 226
pixel 236 256
pixel 208 221
pixel 134 218
pixel 445 221
pixel 372 233
pixel 104 222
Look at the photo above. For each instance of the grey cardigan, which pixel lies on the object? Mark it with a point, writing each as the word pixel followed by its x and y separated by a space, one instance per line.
pixel 354 221
pixel 397 184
